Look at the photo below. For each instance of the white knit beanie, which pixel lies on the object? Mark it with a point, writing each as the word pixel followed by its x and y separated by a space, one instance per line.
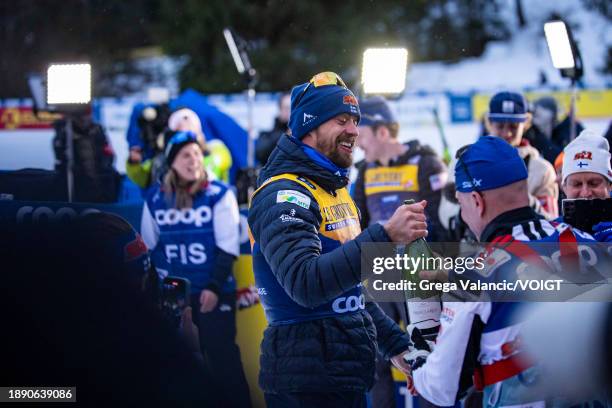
pixel 589 152
pixel 185 115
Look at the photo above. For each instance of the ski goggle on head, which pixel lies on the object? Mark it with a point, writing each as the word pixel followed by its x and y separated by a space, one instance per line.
pixel 181 137
pixel 322 79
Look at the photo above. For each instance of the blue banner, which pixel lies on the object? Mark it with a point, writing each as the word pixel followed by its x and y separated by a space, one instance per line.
pixel 461 108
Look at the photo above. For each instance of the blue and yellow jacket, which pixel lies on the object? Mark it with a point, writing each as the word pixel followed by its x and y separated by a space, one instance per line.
pixel 322 335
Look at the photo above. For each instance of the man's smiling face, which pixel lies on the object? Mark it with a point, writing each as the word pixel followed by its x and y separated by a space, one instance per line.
pixel 336 139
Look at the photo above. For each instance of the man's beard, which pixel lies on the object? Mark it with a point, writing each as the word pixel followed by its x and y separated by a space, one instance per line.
pixel 335 156
pixel 339 160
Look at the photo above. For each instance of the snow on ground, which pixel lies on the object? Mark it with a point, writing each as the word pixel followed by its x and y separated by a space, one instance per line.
pixel 517 64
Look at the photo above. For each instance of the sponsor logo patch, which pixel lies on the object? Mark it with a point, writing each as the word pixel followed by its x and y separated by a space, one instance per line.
pixel 293 197
pixel 213 190
pixel 288 218
pixel 134 249
pixel 415 160
pixel 308 183
pixel 348 304
pixel 198 216
pixel 308 118
pixel 438 181
pixel 340 224
pixel 473 183
pixel 225 308
pixel 584 155
pixel 349 100
pixel 508 106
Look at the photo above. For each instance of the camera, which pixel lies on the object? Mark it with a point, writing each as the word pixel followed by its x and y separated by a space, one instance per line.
pixel 175 298
pixel 583 213
pixel 153 122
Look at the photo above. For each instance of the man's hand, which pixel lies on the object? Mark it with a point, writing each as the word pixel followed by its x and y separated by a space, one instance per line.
pixel 400 363
pixel 208 300
pixel 135 155
pixel 190 330
pixel 407 223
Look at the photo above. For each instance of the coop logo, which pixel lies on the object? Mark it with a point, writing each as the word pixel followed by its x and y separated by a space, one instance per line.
pixel 47 214
pixel 348 304
pixel 197 216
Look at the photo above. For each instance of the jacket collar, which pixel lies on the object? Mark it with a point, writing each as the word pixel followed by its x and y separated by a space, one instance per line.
pixel 289 156
pixel 505 222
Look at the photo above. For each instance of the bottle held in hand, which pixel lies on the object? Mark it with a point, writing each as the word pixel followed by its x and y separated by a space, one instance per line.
pixel 423 306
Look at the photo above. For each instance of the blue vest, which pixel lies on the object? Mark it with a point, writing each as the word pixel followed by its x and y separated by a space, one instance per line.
pixel 186 246
pixel 340 224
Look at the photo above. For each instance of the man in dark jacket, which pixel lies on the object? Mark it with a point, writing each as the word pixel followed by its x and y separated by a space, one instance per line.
pixel 540 131
pixel 266 142
pixel 320 346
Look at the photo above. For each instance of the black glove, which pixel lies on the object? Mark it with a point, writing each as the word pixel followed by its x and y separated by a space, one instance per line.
pixel 419 348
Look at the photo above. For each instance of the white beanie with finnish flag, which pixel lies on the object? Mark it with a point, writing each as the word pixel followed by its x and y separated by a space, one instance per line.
pixel 589 152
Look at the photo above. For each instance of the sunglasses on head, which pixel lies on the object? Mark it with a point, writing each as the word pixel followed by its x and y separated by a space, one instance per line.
pixel 322 79
pixel 458 156
pixel 182 137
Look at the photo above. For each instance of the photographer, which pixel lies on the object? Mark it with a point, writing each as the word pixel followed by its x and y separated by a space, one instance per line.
pixel 586 174
pixel 191 225
pixel 147 124
pixel 80 313
pixel 95 177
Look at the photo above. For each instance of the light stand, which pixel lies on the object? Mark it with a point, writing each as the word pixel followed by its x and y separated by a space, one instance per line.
pixel 69 158
pixel 238 49
pixel 69 92
pixel 566 58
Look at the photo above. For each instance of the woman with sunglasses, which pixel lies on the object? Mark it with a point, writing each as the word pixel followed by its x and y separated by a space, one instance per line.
pixel 191 225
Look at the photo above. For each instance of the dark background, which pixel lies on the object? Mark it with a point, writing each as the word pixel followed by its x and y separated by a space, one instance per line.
pixel 288 40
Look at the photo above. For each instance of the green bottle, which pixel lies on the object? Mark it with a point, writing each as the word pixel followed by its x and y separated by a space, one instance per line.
pixel 424 306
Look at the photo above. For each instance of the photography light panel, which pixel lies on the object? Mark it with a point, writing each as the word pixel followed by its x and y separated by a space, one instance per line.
pixel 384 70
pixel 559 45
pixel 68 84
